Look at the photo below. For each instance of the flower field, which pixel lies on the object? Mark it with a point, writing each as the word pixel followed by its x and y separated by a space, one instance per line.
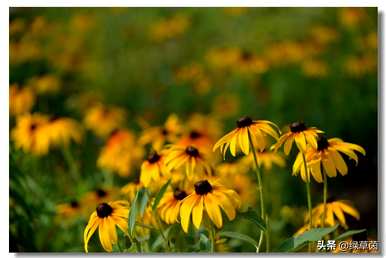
pixel 144 130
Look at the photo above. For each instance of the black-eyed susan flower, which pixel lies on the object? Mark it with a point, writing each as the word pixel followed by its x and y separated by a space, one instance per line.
pixel 169 206
pixel 21 100
pixel 62 130
pixel 158 136
pixel 257 130
pixel 153 168
pixel 92 198
pixel 300 134
pixel 327 156
pixel 248 62
pixel 103 120
pixel 189 157
pixel 169 28
pixel 209 197
pixel 336 212
pixel 68 211
pixel 120 153
pixel 29 134
pixel 106 217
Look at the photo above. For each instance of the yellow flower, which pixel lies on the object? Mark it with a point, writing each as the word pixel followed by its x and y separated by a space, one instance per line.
pixel 249 63
pixel 198 139
pixel 300 134
pixel 30 135
pixel 241 166
pixel 169 206
pixel 324 35
pixel 106 217
pixel 62 130
pixel 357 66
pixel 21 100
pixel 68 210
pixel 159 135
pixel 223 58
pixel 131 189
pixel 169 28
pixel 352 16
pixel 258 130
pixel 45 84
pixel 335 213
pixel 314 68
pixel 153 168
pixel 328 155
pixel 190 157
pixel 120 153
pixel 208 197
pixel 267 159
pixel 103 120
pixel 90 199
pixel 226 105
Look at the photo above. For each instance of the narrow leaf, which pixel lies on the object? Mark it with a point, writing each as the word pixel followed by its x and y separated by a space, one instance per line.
pixel 349 233
pixel 160 194
pixel 239 236
pixel 143 202
pixel 135 205
pixel 291 244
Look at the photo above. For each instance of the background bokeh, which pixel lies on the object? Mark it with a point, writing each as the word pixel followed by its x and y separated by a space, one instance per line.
pixel 318 65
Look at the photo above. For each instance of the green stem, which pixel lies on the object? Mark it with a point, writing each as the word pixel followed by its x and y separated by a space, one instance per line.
pixel 260 186
pixel 161 230
pixel 72 166
pixel 324 198
pixel 267 244
pixel 212 235
pixel 309 200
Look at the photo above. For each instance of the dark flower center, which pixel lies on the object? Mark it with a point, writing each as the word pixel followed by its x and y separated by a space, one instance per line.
pixel 74 204
pixel 153 157
pixel 244 122
pixel 246 55
pixel 114 132
pixel 164 132
pixel 179 194
pixel 103 210
pixel 191 151
pixel 297 127
pixel 202 187
pixel 194 134
pixel 101 193
pixel 54 118
pixel 322 143
pixel 33 126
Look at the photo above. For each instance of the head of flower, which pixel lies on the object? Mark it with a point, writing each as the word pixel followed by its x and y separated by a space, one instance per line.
pixel 153 168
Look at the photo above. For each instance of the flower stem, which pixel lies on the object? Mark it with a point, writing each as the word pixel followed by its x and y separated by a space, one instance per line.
pixel 260 186
pixel 309 200
pixel 72 166
pixel 212 235
pixel 324 198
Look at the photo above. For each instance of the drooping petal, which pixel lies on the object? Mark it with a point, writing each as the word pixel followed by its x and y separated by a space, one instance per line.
pixel 90 229
pixel 197 213
pixel 213 210
pixel 185 210
pixel 329 167
pixel 339 162
pixel 288 145
pixel 104 235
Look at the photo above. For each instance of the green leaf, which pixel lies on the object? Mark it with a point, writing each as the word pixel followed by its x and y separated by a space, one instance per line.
pixel 349 233
pixel 293 243
pixel 204 243
pixel 160 194
pixel 135 208
pixel 239 236
pixel 252 215
pixel 143 202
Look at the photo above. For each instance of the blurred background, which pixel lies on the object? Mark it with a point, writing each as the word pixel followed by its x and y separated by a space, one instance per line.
pixel 317 65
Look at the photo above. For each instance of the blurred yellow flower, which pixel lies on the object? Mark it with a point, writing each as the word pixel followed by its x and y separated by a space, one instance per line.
pixel 223 58
pixel 159 135
pixel 208 196
pixel 235 11
pixel 153 168
pixel 324 35
pixel 16 26
pixel 30 135
pixel 21 100
pixel 189 157
pixel 352 16
pixel 131 189
pixel 45 84
pixel 248 62
pixel 106 217
pixel 62 130
pixel 103 120
pixel 335 213
pixel 314 68
pixel 358 66
pixel 169 28
pixel 120 153
pixel 226 105
pixel 267 159
pixel 242 184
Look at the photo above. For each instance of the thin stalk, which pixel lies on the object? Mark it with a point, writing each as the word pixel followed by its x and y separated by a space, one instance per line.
pixel 72 166
pixel 260 186
pixel 324 198
pixel 212 235
pixel 267 233
pixel 161 230
pixel 308 190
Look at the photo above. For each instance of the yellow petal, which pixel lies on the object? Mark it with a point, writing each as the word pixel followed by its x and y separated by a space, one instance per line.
pixel 339 162
pixel 339 214
pixel 90 229
pixel 288 145
pixel 213 210
pixel 225 204
pixel 300 141
pixel 185 210
pixel 197 213
pixel 104 235
pixel 347 208
pixel 329 167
